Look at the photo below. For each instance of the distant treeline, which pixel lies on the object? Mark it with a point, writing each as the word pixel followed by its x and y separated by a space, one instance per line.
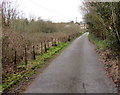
pixel 24 39
pixel 25 25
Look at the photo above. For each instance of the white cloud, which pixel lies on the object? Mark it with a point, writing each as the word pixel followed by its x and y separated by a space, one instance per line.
pixel 54 10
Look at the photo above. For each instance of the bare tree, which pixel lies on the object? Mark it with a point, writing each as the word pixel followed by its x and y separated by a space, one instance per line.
pixel 8 12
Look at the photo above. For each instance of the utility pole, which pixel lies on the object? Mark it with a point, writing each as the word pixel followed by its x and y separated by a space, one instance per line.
pixel 76 19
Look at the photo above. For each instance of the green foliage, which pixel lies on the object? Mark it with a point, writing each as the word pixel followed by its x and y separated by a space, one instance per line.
pixel 103 22
pixel 101 44
pixel 23 25
pixel 32 66
pixel 113 42
pixel 54 50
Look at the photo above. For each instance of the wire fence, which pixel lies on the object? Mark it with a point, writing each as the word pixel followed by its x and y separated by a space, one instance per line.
pixel 30 52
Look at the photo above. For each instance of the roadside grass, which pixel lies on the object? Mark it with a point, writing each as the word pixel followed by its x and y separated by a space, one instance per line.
pixel 101 44
pixel 33 65
pixel 108 58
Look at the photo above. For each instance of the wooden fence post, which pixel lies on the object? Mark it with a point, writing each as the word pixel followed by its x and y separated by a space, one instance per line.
pixel 55 42
pixel 73 36
pixel 45 46
pixel 34 57
pixel 65 39
pixel 26 56
pixel 69 38
pixel 52 42
pixel 41 47
pixel 58 40
pixel 61 39
pixel 15 62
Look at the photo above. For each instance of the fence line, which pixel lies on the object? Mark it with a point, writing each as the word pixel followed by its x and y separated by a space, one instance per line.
pixel 39 49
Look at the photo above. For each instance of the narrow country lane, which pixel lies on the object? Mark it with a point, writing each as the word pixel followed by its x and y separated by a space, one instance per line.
pixel 76 70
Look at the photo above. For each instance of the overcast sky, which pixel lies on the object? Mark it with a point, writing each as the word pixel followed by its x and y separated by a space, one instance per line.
pixel 53 10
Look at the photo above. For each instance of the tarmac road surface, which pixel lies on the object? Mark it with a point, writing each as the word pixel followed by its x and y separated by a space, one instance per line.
pixel 76 70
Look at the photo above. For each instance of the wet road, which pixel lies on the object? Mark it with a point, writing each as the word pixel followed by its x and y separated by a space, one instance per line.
pixel 76 70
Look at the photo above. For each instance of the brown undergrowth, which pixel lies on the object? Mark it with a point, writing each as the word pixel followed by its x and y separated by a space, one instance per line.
pixel 110 59
pixel 111 64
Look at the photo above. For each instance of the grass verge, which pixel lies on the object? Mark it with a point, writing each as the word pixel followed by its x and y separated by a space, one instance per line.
pixel 32 66
pixel 101 44
pixel 108 58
